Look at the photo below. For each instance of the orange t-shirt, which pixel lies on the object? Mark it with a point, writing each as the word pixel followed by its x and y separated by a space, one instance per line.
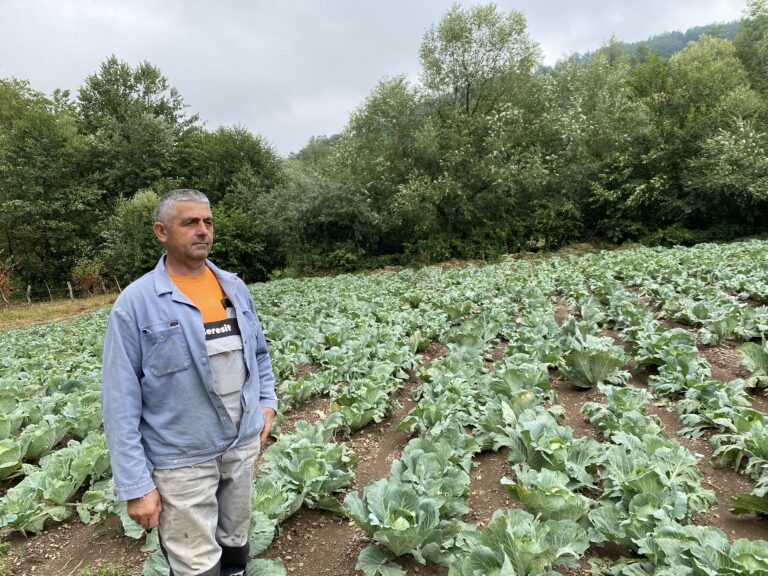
pixel 205 293
pixel 222 337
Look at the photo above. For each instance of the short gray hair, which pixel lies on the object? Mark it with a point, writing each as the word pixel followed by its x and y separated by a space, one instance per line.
pixel 163 209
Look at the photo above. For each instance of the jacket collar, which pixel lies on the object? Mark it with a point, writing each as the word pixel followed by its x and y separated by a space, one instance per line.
pixel 164 284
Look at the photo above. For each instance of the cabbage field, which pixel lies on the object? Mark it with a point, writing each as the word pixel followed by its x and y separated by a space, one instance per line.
pixel 604 412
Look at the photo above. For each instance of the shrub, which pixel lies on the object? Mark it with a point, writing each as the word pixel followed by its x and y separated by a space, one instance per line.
pixel 86 272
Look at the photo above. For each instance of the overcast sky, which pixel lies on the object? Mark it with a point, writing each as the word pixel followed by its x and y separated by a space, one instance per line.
pixel 291 69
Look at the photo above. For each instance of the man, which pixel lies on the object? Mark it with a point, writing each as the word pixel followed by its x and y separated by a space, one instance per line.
pixel 188 396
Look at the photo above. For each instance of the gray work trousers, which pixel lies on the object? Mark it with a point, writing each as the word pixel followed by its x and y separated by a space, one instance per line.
pixel 207 512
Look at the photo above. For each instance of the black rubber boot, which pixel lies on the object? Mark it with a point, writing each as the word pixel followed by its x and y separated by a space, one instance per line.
pixel 233 560
pixel 215 571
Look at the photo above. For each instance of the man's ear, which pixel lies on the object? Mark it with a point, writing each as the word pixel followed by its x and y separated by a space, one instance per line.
pixel 159 229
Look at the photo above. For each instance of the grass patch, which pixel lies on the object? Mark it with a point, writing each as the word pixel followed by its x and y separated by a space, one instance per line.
pixel 112 570
pixel 56 311
pixel 6 566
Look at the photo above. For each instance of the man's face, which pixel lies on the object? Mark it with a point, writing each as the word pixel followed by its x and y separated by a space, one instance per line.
pixel 189 234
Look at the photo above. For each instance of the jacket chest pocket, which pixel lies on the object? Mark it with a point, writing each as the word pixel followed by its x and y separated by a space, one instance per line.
pixel 165 348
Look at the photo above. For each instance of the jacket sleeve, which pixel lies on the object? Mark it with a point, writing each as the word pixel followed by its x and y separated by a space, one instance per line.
pixel 121 402
pixel 267 395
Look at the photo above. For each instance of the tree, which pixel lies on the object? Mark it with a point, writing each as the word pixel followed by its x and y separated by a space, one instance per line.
pixel 316 150
pixel 242 244
pixel 702 78
pixel 751 43
pixel 129 155
pixel 215 162
pixel 118 90
pixel 648 77
pixel 598 142
pixel 376 154
pixel 134 120
pixel 86 273
pixel 729 177
pixel 699 77
pixel 473 60
pixel 47 211
pixel 477 66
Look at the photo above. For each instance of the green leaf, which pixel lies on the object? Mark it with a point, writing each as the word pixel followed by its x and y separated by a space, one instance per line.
pixel 755 358
pixel 156 565
pixel 587 368
pixel 10 458
pixel 264 567
pixel 261 533
pixel 355 509
pixel 130 527
pixel 373 562
pixel 747 503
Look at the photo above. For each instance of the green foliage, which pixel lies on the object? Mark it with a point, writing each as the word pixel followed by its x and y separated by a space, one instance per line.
pixel 625 412
pixel 517 543
pixel 374 562
pixel 130 248
pixel 471 58
pixel 228 164
pixel 547 494
pixel 730 176
pixel 69 172
pixel 265 567
pixel 748 442
pixel 660 143
pixel 592 361
pixel 755 358
pixel 403 521
pixel 48 212
pixel 86 273
pixel 554 224
pixel 353 337
pixel 6 568
pixel 10 458
pixel 133 118
pixel 667 43
pixel 694 550
pixel 307 464
pixel 751 43
pixel 675 235
pixel 242 245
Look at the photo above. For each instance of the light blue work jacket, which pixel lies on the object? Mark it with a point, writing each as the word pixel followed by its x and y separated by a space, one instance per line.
pixel 158 401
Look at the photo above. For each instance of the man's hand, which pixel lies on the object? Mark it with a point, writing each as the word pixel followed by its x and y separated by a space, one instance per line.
pixel 145 511
pixel 269 416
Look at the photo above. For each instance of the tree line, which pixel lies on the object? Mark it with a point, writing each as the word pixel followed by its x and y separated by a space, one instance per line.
pixel 488 153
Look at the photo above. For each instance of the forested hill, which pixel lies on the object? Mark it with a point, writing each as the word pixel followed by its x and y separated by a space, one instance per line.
pixel 668 43
pixel 486 153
